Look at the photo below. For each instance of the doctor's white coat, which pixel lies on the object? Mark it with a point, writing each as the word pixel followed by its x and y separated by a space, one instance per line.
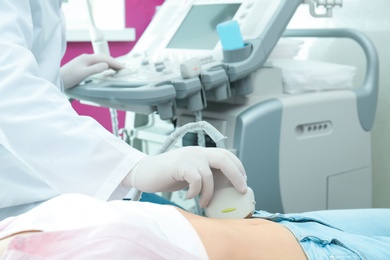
pixel 46 149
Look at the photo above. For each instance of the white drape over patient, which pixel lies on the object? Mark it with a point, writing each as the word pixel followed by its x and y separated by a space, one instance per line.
pixel 80 227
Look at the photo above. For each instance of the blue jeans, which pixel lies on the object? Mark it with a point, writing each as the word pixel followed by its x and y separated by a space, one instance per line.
pixel 339 234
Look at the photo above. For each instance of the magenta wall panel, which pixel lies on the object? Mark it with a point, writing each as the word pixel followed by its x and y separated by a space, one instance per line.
pixel 138 15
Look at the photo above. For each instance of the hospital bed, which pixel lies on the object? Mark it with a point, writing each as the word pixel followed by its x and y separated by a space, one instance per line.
pixel 306 151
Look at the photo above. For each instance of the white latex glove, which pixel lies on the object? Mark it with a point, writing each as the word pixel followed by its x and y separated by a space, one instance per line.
pixel 85 65
pixel 187 166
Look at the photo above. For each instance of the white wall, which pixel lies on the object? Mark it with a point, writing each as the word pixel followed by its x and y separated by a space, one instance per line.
pixel 108 14
pixel 372 18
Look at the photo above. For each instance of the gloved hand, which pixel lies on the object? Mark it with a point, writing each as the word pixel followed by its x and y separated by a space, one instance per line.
pixel 187 166
pixel 85 65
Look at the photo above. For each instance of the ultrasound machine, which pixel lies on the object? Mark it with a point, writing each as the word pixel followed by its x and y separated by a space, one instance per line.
pixel 210 60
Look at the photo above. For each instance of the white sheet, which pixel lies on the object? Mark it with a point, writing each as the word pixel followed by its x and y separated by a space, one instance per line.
pixel 152 224
pixel 301 76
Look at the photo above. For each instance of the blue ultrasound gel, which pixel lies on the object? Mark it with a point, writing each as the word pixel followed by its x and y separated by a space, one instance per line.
pixel 230 35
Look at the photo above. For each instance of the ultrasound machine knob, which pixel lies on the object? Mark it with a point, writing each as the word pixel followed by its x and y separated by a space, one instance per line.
pixel 190 68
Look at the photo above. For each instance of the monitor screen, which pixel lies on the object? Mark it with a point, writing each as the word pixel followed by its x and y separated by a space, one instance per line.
pixel 199 28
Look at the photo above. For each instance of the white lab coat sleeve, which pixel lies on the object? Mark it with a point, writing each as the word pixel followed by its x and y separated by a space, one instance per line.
pixel 38 126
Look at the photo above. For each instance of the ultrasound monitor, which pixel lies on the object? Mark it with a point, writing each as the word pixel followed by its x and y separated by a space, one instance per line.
pixel 198 30
pixel 185 29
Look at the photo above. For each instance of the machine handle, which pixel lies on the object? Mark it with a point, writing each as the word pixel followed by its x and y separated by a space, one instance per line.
pixel 122 90
pixel 367 94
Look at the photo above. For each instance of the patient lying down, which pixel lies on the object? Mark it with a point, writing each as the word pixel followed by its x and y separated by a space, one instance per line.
pixel 83 226
pixel 77 226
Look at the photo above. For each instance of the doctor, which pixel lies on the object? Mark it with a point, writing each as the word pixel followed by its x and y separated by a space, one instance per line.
pixel 47 149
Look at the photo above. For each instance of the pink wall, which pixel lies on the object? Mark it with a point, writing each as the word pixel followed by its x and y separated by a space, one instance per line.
pixel 138 16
